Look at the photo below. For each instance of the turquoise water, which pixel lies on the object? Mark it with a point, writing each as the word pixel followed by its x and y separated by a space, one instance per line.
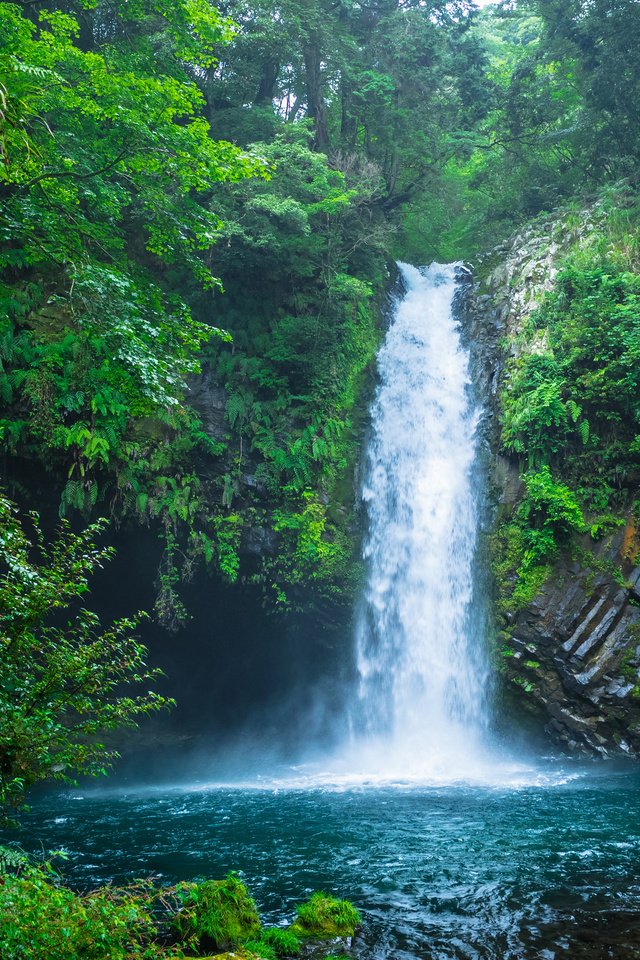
pixel 541 871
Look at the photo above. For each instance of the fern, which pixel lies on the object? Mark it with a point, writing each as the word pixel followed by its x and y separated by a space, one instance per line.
pixel 584 431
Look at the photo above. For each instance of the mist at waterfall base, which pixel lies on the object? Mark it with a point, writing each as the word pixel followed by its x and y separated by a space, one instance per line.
pixel 402 801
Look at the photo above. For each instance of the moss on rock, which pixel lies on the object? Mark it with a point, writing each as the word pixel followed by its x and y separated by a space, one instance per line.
pixel 218 913
pixel 323 917
pixel 240 954
pixel 276 942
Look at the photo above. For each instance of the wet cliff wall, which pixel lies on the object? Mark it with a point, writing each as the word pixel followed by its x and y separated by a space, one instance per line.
pixel 567 622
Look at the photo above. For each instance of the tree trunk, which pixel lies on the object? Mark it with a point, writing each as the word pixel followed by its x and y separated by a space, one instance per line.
pixel 315 101
pixel 267 89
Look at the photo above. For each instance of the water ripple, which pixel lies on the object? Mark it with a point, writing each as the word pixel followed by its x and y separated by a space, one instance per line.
pixel 537 873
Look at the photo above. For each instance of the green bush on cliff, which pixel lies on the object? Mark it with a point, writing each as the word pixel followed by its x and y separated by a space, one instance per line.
pixel 571 397
pixel 525 545
pixel 314 551
pixel 517 582
pixel 550 513
pixel 571 412
pixel 537 416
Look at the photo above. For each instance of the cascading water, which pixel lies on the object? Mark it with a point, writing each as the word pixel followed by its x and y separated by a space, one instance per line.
pixel 421 710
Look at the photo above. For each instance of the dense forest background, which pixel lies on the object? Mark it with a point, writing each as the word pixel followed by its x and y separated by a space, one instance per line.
pixel 199 209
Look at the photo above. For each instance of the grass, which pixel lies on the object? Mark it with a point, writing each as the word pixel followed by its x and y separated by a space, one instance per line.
pixel 218 913
pixel 324 917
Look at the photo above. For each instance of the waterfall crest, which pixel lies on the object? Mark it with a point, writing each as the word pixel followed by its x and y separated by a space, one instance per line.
pixel 421 705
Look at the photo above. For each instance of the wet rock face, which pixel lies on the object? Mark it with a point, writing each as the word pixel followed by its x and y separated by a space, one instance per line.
pixel 577 647
pixel 209 398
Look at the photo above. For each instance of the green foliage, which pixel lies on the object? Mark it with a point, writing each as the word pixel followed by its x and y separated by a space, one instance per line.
pixel 555 93
pixel 82 158
pixel 227 543
pixel 258 948
pixel 384 84
pixel 304 326
pixel 324 917
pixel 530 580
pixel 570 404
pixel 282 942
pixel 525 545
pixel 314 553
pixel 571 396
pixel 217 913
pixel 307 531
pixel 537 419
pixel 603 525
pixel 108 166
pixel 551 513
pixel 111 207
pixel 517 577
pixel 62 687
pixel 40 917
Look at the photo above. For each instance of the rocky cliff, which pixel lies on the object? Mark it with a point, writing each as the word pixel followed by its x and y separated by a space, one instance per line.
pixel 570 655
pixel 575 649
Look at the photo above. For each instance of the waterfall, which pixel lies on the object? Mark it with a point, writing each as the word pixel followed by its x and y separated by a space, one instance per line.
pixel 421 705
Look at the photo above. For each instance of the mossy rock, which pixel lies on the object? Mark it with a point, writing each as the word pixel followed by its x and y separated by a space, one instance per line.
pixel 219 914
pixel 276 942
pixel 232 955
pixel 324 918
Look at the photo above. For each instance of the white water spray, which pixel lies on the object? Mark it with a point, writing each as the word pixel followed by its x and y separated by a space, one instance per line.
pixel 421 708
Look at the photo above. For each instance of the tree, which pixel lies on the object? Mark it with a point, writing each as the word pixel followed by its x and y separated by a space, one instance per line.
pixel 106 172
pixel 599 40
pixel 396 82
pixel 63 685
pixel 566 93
pixel 107 167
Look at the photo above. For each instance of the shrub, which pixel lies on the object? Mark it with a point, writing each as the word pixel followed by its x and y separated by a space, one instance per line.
pixel 218 913
pixel 61 687
pixel 258 948
pixel 40 918
pixel 323 916
pixel 552 513
pixel 277 942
